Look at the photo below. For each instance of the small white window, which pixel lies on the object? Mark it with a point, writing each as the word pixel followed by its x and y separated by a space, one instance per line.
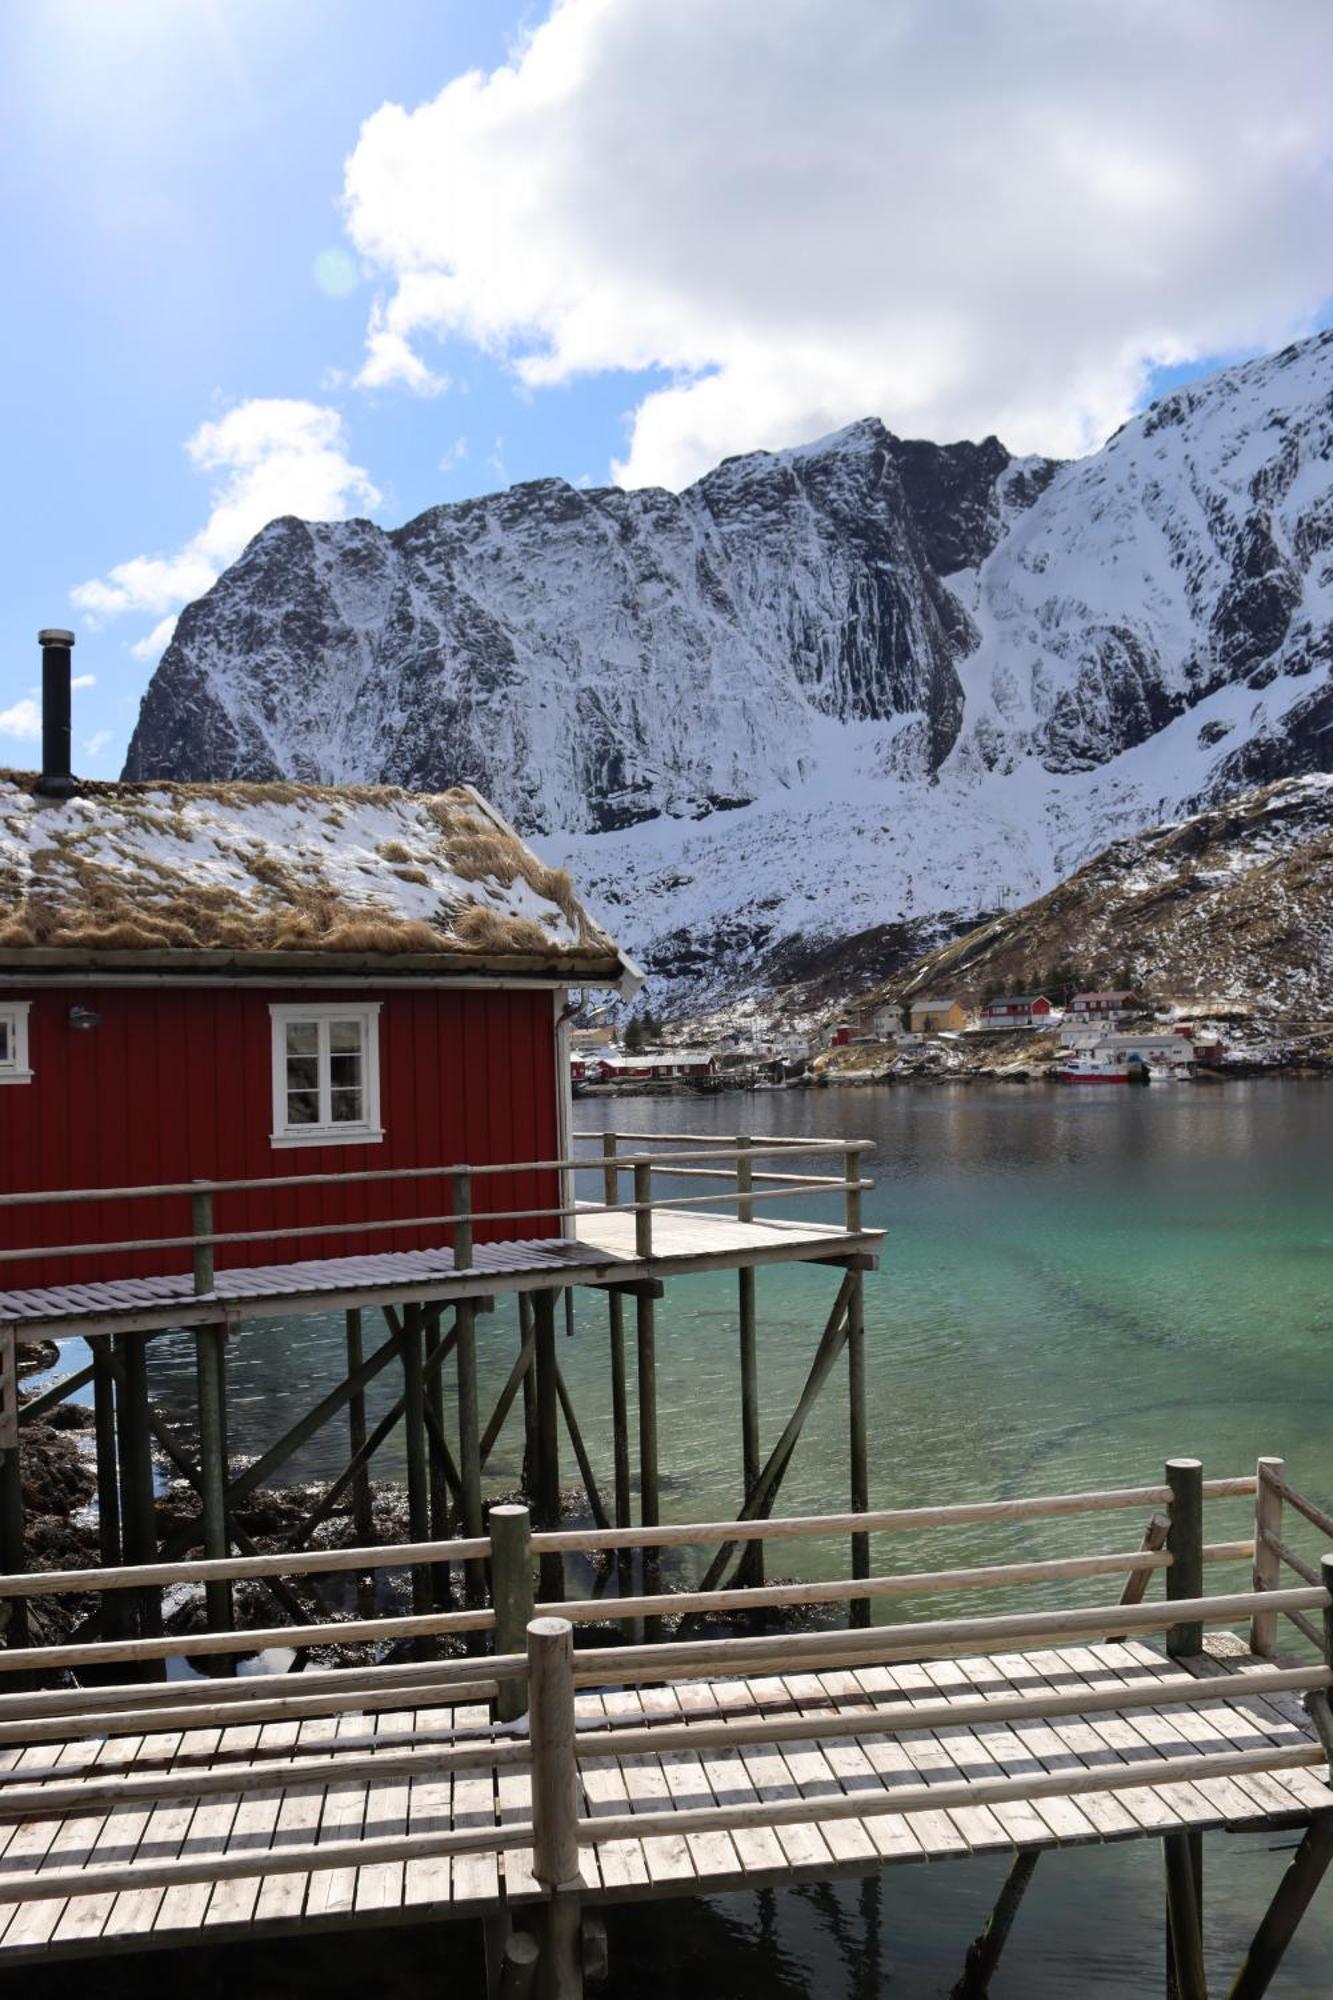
pixel 326 1075
pixel 14 1041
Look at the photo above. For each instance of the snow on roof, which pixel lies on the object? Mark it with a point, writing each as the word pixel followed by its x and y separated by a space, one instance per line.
pixel 361 870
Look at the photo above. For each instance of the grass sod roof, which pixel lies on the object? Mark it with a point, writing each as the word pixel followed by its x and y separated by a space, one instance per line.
pixel 184 873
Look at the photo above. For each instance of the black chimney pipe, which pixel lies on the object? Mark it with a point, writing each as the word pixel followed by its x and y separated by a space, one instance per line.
pixel 56 781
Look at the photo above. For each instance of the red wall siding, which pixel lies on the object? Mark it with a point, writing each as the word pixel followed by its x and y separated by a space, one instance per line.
pixel 176 1085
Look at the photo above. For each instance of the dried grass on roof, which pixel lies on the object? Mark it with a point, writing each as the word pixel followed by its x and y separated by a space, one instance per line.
pixel 96 883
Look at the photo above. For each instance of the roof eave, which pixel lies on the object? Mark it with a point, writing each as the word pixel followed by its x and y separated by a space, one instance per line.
pixel 564 968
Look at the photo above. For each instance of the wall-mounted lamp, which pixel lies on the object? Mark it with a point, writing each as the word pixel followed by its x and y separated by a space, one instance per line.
pixel 84 1017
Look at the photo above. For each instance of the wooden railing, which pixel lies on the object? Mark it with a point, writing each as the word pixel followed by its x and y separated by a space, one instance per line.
pixel 687 1157
pixel 511 1551
pixel 535 1672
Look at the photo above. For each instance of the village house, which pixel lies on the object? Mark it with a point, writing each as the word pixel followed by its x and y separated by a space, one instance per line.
pixel 243 982
pixel 666 1066
pixel 933 1016
pixel 1117 1006
pixel 1021 1010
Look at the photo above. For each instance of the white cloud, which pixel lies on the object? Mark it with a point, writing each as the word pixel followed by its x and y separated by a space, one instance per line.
pixel 454 456
pixel 267 457
pixel 995 215
pixel 97 743
pixel 84 681
pixel 23 720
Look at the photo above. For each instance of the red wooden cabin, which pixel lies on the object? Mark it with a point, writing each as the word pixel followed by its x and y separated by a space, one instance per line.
pixel 235 982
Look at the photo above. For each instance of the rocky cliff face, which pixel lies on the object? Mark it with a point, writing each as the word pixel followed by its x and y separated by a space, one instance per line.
pixel 861 686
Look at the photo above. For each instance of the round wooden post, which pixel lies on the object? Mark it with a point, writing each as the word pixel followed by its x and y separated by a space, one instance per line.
pixel 751 1569
pixel 548 1438
pixel 210 1364
pixel 109 1550
pixel 526 1324
pixel 362 1518
pixel 1184 1542
pixel 1326 1578
pixel 858 1609
pixel 643 1211
pixel 469 1440
pixel 610 1173
pixel 414 1439
pixel 1267 1562
pixel 649 1503
pixel 555 1799
pixel 14 1536
pixel 462 1208
pixel 512 1595
pixel 138 1503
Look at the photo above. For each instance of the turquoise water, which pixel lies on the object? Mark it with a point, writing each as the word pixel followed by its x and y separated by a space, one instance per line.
pixel 1076 1284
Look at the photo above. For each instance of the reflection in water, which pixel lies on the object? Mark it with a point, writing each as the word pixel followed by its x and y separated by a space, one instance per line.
pixel 1076 1285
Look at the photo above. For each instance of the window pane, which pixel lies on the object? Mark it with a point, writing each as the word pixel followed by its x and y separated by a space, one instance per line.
pixel 345 1072
pixel 303 1107
pixel 347 1106
pixel 303 1073
pixel 303 1038
pixel 345 1037
pixel 6 1045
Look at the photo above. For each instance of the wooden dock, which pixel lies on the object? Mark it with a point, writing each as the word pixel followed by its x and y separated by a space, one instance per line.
pixel 141 1816
pixel 600 1251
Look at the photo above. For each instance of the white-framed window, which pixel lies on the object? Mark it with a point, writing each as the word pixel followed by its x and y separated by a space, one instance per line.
pixel 14 1041
pixel 326 1074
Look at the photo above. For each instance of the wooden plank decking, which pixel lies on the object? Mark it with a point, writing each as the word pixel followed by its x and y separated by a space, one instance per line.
pixel 601 1251
pixel 289 1814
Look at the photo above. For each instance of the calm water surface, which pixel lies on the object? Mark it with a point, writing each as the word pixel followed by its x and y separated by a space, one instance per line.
pixel 1076 1285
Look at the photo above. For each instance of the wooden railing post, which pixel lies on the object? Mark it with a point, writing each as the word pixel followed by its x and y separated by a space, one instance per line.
pixel 512 1596
pixel 1326 1578
pixel 462 1208
pixel 555 1794
pixel 744 1180
pixel 201 1228
pixel 751 1570
pixel 1267 1562
pixel 1184 1544
pixel 643 1213
pixel 852 1172
pixel 610 1172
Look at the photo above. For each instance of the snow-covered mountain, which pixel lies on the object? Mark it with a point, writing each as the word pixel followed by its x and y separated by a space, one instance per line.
pixel 862 690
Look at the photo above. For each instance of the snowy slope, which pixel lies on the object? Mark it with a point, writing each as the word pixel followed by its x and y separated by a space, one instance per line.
pixel 863 685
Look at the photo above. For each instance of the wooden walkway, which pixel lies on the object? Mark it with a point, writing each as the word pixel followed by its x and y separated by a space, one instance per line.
pixel 1146 1752
pixel 600 1252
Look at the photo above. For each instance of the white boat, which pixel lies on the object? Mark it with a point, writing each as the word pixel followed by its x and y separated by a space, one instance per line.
pixel 1101 1065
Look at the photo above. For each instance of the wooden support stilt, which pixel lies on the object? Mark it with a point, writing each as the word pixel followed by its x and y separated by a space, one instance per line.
pixel 547 1470
pixel 1267 1572
pixel 504 1402
pixel 109 1549
pixel 210 1352
pixel 645 1309
pixel 759 1500
pixel 751 1569
pixel 13 1536
pixel 983 1954
pixel 586 1473
pixel 620 1437
pixel 1304 1873
pixel 437 1478
pixel 469 1442
pixel 414 1434
pixel 527 1331
pixel 1184 1913
pixel 362 1516
pixel 858 1609
pixel 138 1505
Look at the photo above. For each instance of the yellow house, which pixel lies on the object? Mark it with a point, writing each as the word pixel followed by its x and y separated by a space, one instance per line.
pixel 928 1017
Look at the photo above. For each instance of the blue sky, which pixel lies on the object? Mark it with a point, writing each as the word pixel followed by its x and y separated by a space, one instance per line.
pixel 581 249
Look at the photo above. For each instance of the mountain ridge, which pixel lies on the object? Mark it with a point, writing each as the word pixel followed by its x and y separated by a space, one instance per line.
pixel 863 685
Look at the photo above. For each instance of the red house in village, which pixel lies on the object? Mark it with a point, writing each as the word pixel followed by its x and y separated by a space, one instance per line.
pixel 235 982
pixel 1021 1010
pixel 1116 1006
